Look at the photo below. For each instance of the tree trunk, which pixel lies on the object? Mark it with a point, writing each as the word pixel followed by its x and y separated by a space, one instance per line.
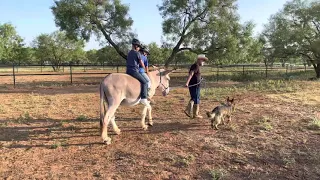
pixel 317 69
pixel 172 55
pixel 56 68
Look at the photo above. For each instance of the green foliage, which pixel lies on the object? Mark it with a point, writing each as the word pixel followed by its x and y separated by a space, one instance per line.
pixel 294 32
pixel 158 55
pixel 11 44
pixel 84 18
pixel 208 26
pixel 57 48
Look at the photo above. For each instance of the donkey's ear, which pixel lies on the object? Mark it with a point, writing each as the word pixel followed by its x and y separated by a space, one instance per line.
pixel 155 67
pixel 167 72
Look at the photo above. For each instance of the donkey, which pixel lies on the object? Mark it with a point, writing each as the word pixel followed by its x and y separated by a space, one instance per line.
pixel 119 89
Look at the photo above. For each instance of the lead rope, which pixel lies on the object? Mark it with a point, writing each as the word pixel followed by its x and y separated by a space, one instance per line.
pixel 204 85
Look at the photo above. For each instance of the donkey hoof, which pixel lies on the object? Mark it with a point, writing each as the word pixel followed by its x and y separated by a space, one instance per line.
pixel 150 124
pixel 145 128
pixel 118 131
pixel 107 141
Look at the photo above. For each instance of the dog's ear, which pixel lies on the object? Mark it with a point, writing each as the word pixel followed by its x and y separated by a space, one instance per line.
pixel 228 98
pixel 232 99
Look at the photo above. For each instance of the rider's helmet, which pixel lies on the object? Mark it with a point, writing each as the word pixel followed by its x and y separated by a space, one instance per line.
pixel 136 42
pixel 146 50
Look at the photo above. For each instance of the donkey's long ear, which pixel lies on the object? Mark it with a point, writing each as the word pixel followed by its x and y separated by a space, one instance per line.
pixel 155 67
pixel 167 72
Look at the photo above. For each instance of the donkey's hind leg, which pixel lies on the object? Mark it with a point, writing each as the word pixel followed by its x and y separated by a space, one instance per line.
pixel 108 117
pixel 114 126
pixel 104 134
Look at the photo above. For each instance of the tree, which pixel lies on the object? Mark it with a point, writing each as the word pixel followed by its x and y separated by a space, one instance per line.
pixel 109 55
pixel 92 56
pixel 158 55
pixel 26 55
pixel 206 26
pixel 295 31
pixel 10 43
pixel 57 48
pixel 84 18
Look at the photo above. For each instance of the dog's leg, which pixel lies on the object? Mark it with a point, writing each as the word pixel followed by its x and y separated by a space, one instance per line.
pixel 229 119
pixel 212 123
pixel 217 120
pixel 222 120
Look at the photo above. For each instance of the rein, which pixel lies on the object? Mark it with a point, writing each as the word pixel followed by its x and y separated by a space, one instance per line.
pixel 165 88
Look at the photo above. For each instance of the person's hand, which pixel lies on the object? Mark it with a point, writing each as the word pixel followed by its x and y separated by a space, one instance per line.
pixel 186 85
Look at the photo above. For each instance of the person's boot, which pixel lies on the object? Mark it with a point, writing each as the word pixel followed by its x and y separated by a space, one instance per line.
pixel 189 109
pixel 196 111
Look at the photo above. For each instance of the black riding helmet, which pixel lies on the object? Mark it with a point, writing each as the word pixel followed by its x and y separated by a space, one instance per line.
pixel 136 42
pixel 145 49
pixel 141 48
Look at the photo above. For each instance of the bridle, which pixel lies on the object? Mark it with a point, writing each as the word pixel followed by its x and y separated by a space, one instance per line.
pixel 165 88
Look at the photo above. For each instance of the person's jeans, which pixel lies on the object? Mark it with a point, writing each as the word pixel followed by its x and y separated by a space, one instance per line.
pixel 143 81
pixel 145 75
pixel 195 94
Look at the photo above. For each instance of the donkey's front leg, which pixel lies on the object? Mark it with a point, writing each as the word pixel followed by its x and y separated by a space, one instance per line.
pixel 143 118
pixel 150 123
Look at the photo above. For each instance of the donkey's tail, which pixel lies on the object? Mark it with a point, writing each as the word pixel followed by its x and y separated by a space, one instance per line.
pixel 102 105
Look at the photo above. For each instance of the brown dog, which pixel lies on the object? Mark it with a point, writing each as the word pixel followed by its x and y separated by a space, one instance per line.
pixel 218 113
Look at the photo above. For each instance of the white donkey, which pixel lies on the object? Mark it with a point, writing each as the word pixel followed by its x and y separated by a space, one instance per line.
pixel 119 89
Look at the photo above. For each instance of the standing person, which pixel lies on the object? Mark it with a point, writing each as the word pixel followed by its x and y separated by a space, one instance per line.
pixel 133 62
pixel 144 71
pixel 193 82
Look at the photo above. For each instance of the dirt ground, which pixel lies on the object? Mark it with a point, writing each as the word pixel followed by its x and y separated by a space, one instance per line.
pixel 52 132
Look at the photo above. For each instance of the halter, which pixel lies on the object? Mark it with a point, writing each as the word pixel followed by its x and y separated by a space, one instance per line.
pixel 165 88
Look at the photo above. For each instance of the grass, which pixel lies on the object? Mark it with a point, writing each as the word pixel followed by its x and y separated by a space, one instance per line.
pixel 82 118
pixel 264 123
pixel 184 162
pixel 263 86
pixel 216 174
pixel 314 124
pixel 25 118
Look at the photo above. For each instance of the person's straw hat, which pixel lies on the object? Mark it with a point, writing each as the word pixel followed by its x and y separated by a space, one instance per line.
pixel 202 57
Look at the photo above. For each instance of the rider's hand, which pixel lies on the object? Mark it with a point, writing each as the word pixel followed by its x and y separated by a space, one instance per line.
pixel 186 85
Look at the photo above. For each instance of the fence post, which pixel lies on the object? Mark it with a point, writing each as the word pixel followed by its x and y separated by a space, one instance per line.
pixel 117 68
pixel 266 71
pixel 305 67
pixel 14 76
pixel 243 69
pixel 71 72
pixel 84 68
pixel 287 70
pixel 217 73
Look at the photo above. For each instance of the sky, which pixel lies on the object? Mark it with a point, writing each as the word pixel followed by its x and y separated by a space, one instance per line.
pixel 35 17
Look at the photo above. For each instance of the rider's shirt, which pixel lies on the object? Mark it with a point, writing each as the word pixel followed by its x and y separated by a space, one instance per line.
pixel 133 59
pixel 196 74
pixel 145 62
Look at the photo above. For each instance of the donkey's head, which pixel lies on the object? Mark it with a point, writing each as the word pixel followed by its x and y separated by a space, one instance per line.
pixel 164 78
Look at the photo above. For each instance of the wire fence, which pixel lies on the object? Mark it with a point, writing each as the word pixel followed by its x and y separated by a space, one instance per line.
pixel 235 72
